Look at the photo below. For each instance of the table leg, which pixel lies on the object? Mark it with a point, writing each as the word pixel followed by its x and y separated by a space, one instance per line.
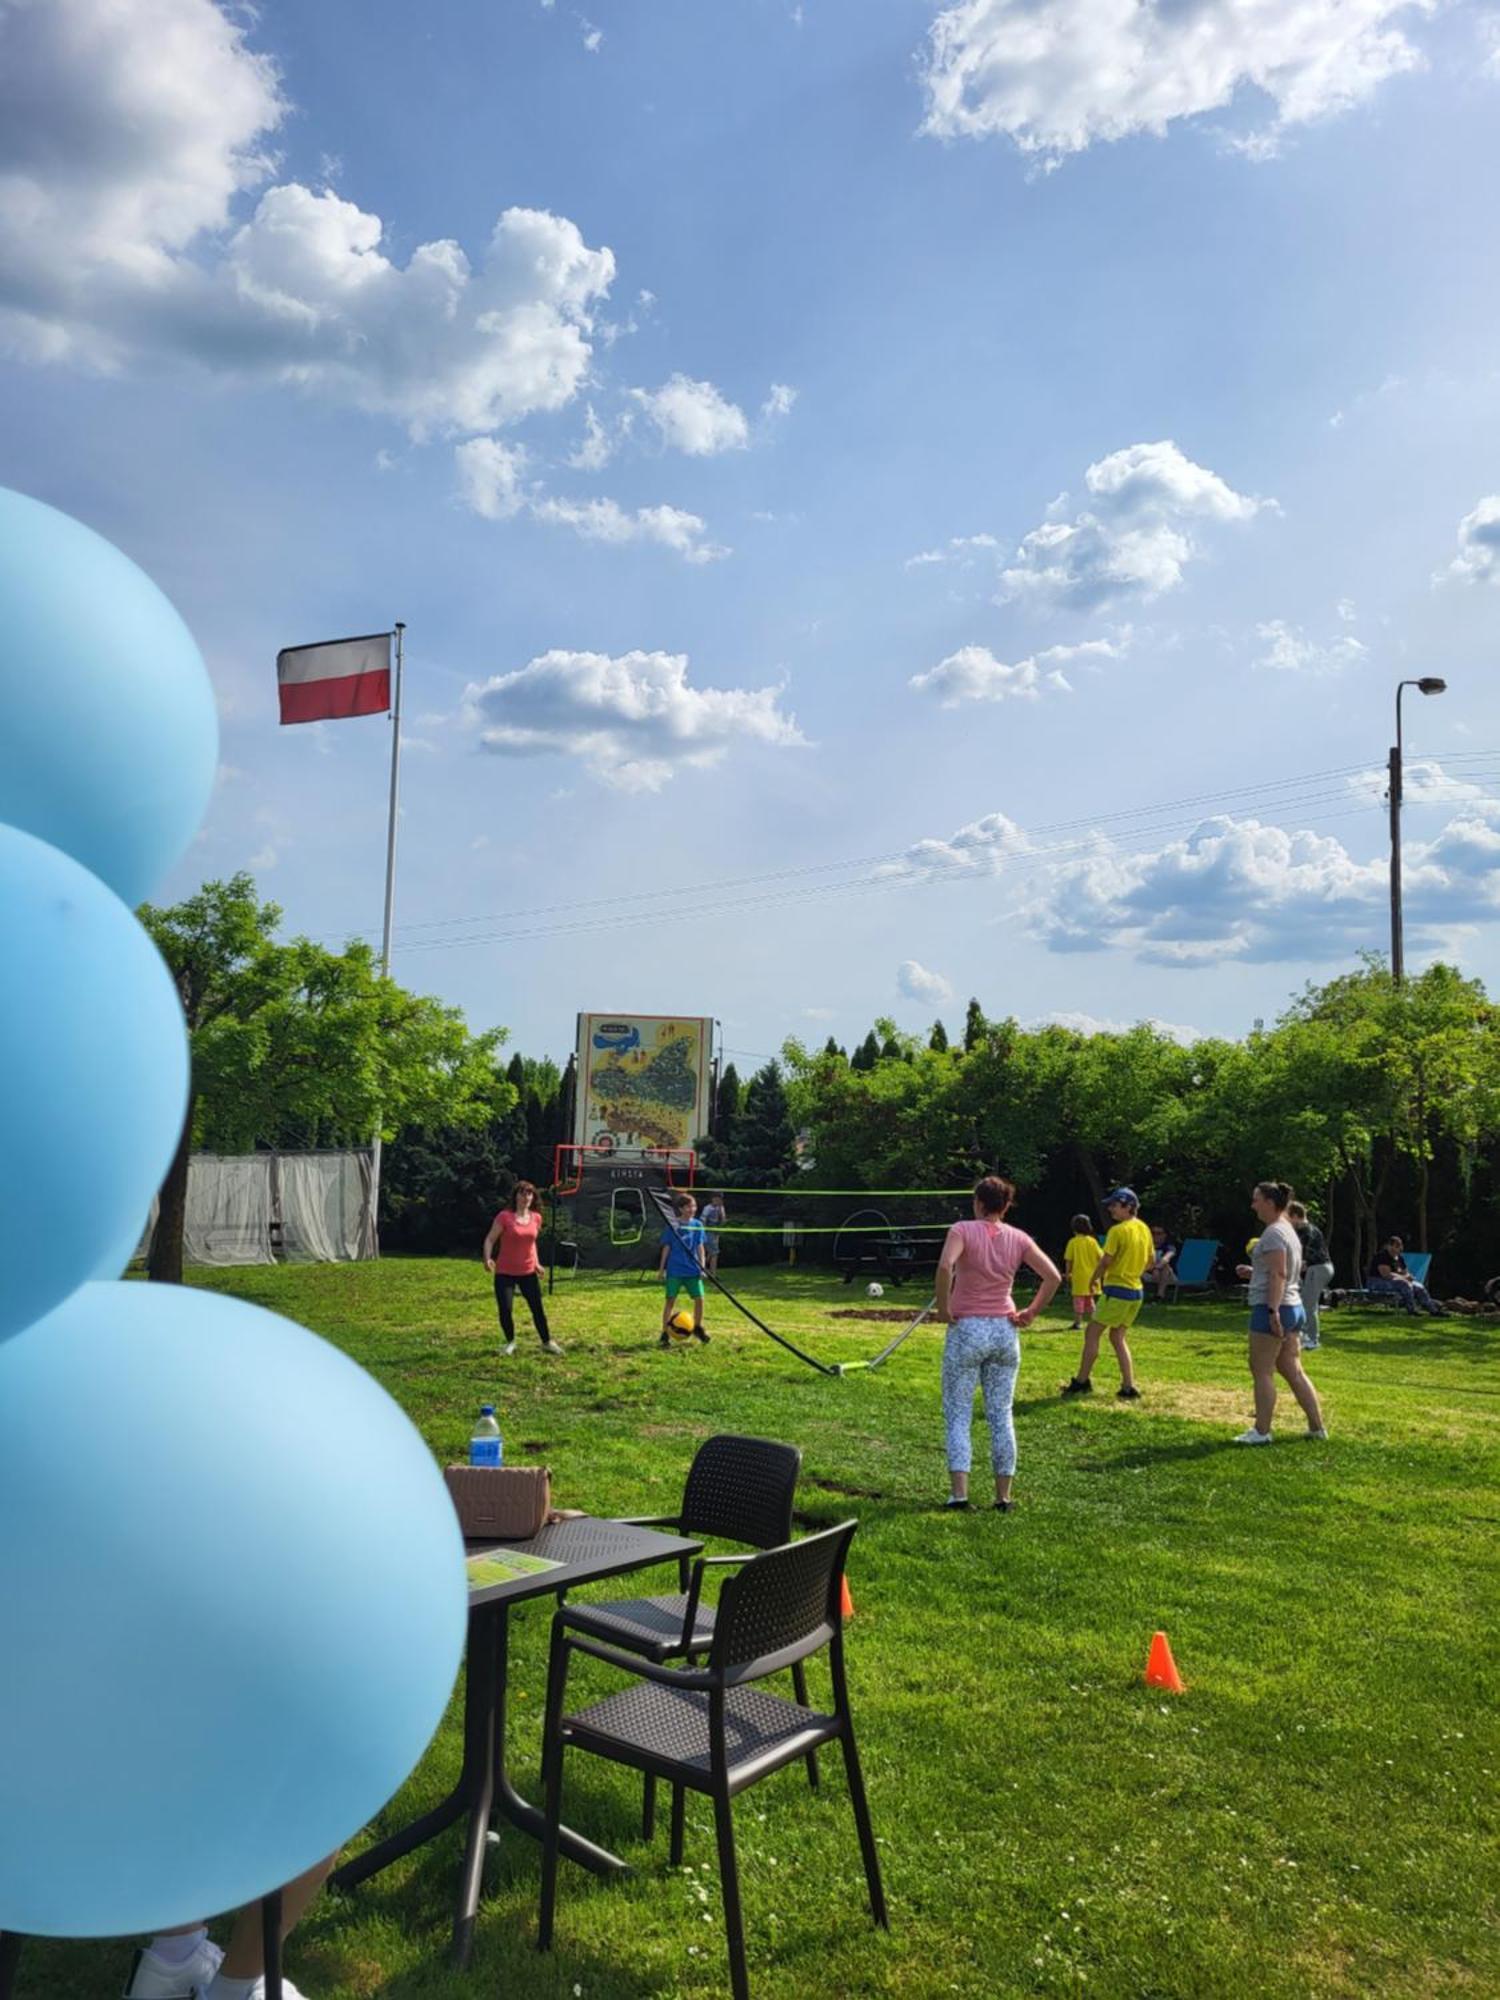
pixel 518 1811
pixel 479 1682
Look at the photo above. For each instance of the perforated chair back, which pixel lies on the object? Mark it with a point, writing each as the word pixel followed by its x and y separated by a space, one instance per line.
pixel 741 1489
pixel 781 1606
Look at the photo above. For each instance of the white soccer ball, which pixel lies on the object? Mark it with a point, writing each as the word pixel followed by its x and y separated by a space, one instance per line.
pixel 874 1291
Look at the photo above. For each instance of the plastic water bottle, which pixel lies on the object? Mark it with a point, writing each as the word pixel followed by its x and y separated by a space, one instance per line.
pixel 485 1446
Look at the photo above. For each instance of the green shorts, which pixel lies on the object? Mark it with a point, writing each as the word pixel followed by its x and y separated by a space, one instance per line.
pixel 1116 1312
pixel 692 1286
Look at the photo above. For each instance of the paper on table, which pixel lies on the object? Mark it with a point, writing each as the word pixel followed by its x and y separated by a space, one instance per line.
pixel 504 1566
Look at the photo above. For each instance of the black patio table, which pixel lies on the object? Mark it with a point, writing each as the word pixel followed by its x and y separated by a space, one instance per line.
pixel 588 1551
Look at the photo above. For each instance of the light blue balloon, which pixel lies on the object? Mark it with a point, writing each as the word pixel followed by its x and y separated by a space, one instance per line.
pixel 93 1078
pixel 109 739
pixel 234 1602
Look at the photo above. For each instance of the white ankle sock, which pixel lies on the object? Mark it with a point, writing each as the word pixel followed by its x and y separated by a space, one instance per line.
pixel 177 1947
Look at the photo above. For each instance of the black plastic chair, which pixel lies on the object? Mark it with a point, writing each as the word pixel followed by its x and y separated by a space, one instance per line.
pixel 711 1729
pixel 738 1489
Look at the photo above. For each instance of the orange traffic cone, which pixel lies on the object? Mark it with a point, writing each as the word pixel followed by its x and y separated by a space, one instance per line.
pixel 846 1602
pixel 1161 1668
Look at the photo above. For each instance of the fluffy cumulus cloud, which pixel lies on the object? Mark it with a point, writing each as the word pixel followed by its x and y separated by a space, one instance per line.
pixel 1478 558
pixel 1134 535
pixel 693 417
pixel 492 483
pixel 974 674
pixel 1288 649
pixel 130 129
pixel 633 720
pixel 915 982
pixel 983 847
pixel 607 521
pixel 1057 77
pixel 1240 890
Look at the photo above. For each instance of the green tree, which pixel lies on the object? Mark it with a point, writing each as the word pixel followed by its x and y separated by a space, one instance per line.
pixel 867 1054
pixel 938 1039
pixel 296 1045
pixel 765 1141
pixel 975 1026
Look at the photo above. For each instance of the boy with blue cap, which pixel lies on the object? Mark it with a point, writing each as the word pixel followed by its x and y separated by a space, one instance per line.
pixel 1128 1251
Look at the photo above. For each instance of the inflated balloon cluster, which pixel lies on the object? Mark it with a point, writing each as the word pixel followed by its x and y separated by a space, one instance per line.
pixel 232 1588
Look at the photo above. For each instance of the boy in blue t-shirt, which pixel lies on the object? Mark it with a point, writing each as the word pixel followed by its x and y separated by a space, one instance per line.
pixel 681 1266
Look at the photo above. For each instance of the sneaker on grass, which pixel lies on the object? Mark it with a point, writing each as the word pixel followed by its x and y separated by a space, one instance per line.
pixel 246 1989
pixel 153 1977
pixel 1253 1436
pixel 1319 1436
pixel 551 1347
pixel 1073 1387
pixel 509 1347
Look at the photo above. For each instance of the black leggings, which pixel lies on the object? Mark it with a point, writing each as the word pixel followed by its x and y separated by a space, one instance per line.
pixel 530 1288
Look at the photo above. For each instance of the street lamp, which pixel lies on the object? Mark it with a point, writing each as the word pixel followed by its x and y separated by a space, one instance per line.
pixel 1428 684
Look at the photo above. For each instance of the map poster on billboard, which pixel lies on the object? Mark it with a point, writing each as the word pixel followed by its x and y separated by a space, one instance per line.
pixel 644 1080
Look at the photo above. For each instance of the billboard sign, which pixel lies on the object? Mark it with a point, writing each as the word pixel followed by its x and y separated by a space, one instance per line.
pixel 644 1080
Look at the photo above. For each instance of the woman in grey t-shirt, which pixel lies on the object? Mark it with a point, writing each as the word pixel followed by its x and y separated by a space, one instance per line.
pixel 1276 1315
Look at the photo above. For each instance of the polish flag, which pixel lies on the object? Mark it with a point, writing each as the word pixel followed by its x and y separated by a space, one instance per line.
pixel 341 677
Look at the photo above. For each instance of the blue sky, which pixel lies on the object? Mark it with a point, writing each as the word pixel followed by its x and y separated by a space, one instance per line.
pixel 911 500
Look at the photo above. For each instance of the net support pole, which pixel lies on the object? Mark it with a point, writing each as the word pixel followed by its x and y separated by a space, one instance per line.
pixel 372 1210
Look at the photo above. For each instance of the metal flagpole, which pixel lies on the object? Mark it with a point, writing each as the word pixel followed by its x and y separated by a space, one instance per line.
pixel 373 1210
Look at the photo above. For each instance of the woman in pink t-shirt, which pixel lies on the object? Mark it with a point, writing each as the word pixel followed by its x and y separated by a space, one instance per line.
pixel 979 1261
pixel 516 1229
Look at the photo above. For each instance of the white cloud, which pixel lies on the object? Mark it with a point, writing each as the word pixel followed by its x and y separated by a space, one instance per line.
pixel 593 38
pixel 1288 649
pixel 489 474
pixel 915 982
pixel 1090 1024
pixel 1240 890
pixel 693 417
pixel 599 444
pixel 1346 610
pixel 1423 783
pixel 974 674
pixel 959 549
pixel 983 847
pixel 632 720
pixel 1057 77
pixel 820 1013
pixel 607 521
pixel 1478 558
pixel 779 401
pixel 1133 539
pixel 129 128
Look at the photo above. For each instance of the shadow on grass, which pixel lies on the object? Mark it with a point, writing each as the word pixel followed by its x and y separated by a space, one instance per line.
pixel 1431 1340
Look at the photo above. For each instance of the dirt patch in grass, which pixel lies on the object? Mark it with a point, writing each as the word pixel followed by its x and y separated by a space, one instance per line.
pixel 1201 1402
pixel 872 1312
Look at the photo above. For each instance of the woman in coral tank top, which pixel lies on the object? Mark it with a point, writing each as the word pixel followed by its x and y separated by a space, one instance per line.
pixel 979 1261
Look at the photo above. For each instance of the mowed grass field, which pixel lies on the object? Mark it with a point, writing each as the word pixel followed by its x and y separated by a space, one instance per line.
pixel 1316 1816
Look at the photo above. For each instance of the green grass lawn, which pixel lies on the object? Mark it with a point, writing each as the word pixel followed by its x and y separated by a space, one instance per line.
pixel 1316 1816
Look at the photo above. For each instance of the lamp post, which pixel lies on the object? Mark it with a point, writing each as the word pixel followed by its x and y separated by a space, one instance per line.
pixel 1428 684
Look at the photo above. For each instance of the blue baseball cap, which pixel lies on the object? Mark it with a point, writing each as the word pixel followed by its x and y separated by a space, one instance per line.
pixel 1123 1194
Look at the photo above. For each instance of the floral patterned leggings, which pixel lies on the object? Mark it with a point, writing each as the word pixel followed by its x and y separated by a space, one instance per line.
pixel 985 1353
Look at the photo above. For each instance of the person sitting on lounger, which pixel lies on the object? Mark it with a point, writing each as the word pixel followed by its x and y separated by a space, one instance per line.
pixel 1390 1279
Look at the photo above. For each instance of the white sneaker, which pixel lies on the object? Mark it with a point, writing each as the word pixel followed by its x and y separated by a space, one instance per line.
pixel 509 1347
pixel 551 1347
pixel 1321 1436
pixel 236 1989
pixel 1253 1436
pixel 153 1978
pixel 1309 1345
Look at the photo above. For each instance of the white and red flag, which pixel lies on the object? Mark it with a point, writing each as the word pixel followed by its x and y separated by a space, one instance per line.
pixel 340 677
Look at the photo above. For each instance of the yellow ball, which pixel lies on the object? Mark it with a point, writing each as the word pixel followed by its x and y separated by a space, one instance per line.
pixel 681 1324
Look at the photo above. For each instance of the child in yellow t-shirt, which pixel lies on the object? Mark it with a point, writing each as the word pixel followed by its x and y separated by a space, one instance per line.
pixel 1128 1249
pixel 1081 1261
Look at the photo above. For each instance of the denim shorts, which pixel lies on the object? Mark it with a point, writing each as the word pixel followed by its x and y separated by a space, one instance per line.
pixel 1293 1319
